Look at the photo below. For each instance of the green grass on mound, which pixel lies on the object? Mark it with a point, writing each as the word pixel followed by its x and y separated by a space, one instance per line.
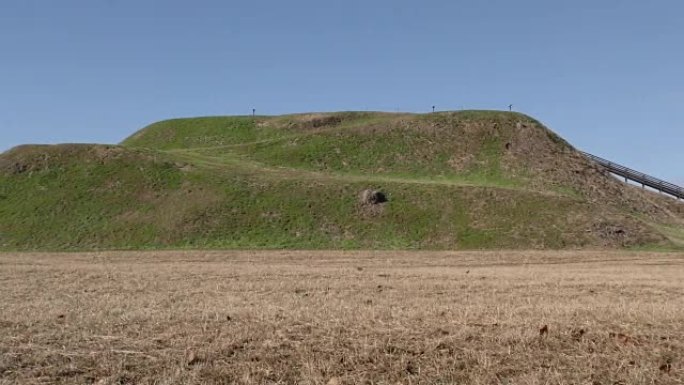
pixel 453 181
pixel 154 204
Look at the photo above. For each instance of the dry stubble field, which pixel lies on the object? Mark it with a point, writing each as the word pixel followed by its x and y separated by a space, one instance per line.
pixel 317 317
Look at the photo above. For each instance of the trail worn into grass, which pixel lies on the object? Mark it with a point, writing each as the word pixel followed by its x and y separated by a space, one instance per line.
pixel 228 163
pixel 317 317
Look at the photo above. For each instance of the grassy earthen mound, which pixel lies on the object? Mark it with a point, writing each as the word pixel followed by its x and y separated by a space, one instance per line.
pixel 34 158
pixel 456 180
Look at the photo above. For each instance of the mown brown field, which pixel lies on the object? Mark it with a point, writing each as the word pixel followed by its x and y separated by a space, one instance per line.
pixel 319 317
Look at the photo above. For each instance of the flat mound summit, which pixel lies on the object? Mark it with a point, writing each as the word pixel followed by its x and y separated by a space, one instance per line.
pixel 452 180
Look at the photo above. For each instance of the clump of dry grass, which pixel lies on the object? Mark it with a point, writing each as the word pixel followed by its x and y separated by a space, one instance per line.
pixel 342 318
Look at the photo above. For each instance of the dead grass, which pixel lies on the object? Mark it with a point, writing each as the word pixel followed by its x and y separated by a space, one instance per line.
pixel 342 318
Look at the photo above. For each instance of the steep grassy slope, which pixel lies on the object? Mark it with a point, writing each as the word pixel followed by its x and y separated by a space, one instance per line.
pixel 473 179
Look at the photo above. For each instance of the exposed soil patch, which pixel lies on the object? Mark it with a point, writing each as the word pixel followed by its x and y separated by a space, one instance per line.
pixel 610 232
pixel 624 232
pixel 310 121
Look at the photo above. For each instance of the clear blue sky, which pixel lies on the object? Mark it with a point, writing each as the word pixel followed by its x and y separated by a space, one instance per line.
pixel 607 75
